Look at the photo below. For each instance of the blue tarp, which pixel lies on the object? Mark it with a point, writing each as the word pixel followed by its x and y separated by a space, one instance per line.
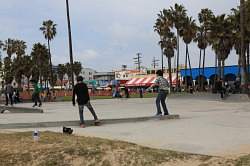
pixel 210 71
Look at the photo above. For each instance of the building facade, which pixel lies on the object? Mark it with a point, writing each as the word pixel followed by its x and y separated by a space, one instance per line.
pixel 88 74
pixel 103 78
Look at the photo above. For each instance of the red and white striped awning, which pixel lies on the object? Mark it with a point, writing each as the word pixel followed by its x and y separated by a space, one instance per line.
pixel 146 81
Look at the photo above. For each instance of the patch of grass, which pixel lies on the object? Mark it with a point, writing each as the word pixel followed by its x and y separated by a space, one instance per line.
pixel 57 149
pixel 243 161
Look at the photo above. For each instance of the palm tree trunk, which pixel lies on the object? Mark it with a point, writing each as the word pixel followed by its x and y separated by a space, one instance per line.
pixel 169 72
pixel 19 83
pixel 70 44
pixel 215 71
pixel 239 65
pixel 222 69
pixel 243 51
pixel 219 67
pixel 177 66
pixel 50 61
pixel 186 84
pixel 199 80
pixel 40 67
pixel 61 83
pixel 28 85
pixel 203 68
pixel 162 67
pixel 248 52
pixel 190 68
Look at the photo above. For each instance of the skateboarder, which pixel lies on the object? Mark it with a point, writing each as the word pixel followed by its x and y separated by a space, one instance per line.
pixel 82 93
pixel 36 93
pixel 163 90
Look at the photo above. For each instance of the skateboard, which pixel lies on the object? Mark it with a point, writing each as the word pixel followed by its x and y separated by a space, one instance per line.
pixel 98 123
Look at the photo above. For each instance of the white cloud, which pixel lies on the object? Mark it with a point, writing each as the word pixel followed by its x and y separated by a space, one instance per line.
pixel 86 55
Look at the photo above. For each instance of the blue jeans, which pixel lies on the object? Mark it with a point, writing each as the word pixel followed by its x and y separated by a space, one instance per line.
pixel 81 108
pixel 160 100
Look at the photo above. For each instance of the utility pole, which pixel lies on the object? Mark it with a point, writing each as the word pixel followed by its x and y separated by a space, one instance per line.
pixel 124 67
pixel 70 44
pixel 155 63
pixel 138 61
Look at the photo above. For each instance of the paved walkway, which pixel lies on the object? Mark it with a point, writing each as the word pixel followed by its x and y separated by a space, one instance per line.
pixel 206 126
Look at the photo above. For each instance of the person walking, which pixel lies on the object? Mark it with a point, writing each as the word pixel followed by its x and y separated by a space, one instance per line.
pixel 9 94
pixel 221 88
pixel 36 93
pixel 126 91
pixel 141 92
pixel 163 90
pixel 81 91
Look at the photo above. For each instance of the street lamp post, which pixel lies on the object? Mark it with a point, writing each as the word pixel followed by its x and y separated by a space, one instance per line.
pixel 70 44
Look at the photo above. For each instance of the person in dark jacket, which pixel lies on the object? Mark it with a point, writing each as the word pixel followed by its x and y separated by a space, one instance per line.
pixel 81 91
pixel 221 88
pixel 9 93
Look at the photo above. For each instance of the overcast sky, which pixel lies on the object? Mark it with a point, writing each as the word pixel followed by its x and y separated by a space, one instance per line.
pixel 106 33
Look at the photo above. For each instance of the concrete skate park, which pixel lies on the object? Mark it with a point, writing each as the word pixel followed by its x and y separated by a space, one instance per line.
pixel 207 124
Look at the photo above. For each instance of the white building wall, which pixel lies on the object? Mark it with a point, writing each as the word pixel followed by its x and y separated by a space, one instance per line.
pixel 87 73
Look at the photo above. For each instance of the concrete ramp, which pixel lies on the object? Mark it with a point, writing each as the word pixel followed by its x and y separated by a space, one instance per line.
pixel 88 122
pixel 14 109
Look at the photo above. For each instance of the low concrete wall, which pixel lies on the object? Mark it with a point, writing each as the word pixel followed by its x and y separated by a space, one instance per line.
pixel 88 122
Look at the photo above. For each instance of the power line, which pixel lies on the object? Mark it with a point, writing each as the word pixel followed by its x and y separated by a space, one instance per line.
pixel 138 61
pixel 155 62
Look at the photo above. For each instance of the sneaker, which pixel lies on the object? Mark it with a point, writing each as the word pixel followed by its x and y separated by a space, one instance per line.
pixel 166 114
pixel 97 122
pixel 158 115
pixel 82 126
pixel 39 105
pixel 34 105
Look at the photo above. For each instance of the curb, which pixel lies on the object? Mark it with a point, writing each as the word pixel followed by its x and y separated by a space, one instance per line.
pixel 13 109
pixel 88 122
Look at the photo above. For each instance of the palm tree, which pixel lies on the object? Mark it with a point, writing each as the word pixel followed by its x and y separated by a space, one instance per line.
pixel 77 68
pixel 49 30
pixel 170 44
pixel 8 75
pixel 61 72
pixel 27 63
pixel 162 27
pixel 201 45
pixel 178 15
pixel 40 57
pixel 189 33
pixel 17 68
pixel 20 47
pixel 234 18
pixel 205 17
pixel 10 47
pixel 221 40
